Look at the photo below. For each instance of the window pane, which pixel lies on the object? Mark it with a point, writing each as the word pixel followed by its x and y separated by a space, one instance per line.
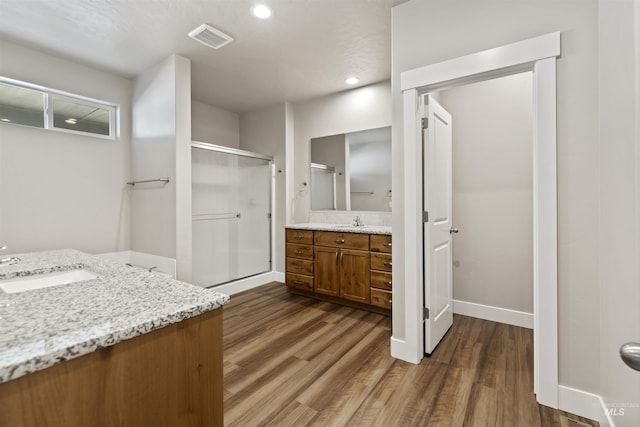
pixel 21 106
pixel 80 117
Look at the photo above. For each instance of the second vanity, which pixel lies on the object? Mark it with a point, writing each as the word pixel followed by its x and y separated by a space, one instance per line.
pixel 120 346
pixel 344 264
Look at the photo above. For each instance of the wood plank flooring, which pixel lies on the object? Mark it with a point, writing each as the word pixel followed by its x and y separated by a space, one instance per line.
pixel 294 361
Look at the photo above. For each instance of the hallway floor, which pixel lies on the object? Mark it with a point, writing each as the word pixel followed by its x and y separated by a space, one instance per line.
pixel 294 361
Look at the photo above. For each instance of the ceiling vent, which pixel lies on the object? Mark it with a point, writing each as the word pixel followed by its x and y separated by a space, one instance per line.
pixel 209 36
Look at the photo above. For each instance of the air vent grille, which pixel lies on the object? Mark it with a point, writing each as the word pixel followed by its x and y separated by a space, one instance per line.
pixel 209 36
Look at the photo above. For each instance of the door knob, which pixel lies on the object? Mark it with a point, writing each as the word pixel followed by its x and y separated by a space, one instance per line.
pixel 630 354
pixel 453 230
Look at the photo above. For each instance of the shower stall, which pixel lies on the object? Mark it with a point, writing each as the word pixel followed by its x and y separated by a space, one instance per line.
pixel 231 201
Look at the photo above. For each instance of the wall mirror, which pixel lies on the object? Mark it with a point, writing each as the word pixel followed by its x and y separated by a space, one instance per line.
pixel 352 171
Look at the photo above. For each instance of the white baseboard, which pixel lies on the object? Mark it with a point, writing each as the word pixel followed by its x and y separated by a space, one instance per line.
pixel 495 314
pixel 278 276
pixel 584 404
pixel 400 349
pixel 248 283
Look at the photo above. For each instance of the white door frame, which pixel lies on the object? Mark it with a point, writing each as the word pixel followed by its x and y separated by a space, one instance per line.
pixel 539 56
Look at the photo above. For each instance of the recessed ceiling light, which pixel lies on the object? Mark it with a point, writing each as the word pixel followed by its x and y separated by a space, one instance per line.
pixel 71 121
pixel 261 11
pixel 352 80
pixel 5 120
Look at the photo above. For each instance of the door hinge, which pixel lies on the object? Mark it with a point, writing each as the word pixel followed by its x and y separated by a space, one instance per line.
pixel 425 122
pixel 425 216
pixel 425 313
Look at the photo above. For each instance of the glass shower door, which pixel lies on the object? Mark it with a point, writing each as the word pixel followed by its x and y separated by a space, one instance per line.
pixel 323 183
pixel 231 197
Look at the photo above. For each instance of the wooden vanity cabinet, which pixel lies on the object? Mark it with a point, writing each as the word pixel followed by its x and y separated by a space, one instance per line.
pixel 381 268
pixel 300 264
pixel 348 268
pixel 342 261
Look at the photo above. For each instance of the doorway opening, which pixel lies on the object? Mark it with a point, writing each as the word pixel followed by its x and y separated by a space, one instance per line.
pixel 492 198
pixel 537 55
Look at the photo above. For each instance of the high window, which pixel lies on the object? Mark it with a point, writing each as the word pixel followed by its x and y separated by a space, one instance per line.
pixel 30 105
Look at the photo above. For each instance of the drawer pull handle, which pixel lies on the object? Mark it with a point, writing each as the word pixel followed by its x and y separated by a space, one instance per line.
pixel 299 236
pixel 339 240
pixel 299 267
pixel 389 282
pixel 388 301
pixel 388 245
pixel 299 282
pixel 387 264
pixel 299 251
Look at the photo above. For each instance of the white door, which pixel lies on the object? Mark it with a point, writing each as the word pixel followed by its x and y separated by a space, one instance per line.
pixel 437 204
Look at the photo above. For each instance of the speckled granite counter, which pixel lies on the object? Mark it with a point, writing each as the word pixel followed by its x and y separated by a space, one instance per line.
pixel 43 327
pixel 345 228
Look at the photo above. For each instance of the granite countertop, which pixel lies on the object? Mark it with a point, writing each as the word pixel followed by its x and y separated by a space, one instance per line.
pixel 40 328
pixel 344 228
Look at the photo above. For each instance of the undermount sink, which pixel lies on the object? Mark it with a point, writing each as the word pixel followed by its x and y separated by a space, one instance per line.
pixel 46 280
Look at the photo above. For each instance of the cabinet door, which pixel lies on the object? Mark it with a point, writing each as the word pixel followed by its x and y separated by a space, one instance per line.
pixel 327 271
pixel 354 267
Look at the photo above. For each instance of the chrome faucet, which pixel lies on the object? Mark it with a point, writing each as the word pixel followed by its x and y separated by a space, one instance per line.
pixel 7 261
pixel 358 222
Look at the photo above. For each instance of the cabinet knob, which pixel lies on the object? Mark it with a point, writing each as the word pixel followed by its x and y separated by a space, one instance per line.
pixel 339 240
pixel 389 282
pixel 387 264
pixel 387 244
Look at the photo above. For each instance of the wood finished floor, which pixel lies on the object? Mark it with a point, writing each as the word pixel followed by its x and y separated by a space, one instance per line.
pixel 294 361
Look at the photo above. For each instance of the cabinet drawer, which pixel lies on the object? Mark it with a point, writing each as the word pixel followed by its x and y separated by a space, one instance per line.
pixel 299 251
pixel 380 262
pixel 381 280
pixel 380 298
pixel 299 266
pixel 380 243
pixel 304 237
pixel 342 240
pixel 299 281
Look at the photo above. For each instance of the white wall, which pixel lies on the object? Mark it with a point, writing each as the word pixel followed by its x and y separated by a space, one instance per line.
pixel 214 125
pixel 59 190
pixel 264 131
pixel 460 28
pixel 493 191
pixel 619 192
pixel 161 214
pixel 354 110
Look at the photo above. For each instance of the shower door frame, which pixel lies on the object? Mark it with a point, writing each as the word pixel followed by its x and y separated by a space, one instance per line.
pixel 253 155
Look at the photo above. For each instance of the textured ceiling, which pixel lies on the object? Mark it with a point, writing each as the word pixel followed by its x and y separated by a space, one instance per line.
pixel 306 50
